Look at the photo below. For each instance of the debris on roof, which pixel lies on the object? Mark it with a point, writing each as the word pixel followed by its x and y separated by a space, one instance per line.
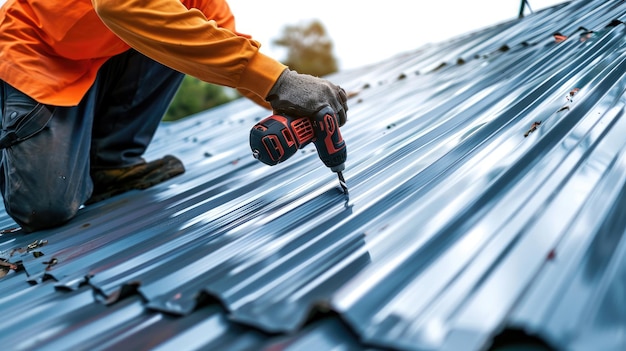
pixel 482 214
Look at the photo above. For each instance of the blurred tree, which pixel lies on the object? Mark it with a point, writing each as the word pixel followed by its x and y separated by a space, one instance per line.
pixel 309 49
pixel 195 96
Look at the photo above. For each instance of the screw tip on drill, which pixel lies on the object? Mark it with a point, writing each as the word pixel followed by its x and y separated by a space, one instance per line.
pixel 342 182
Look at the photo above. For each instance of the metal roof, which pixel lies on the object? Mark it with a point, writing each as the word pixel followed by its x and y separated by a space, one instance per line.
pixel 486 178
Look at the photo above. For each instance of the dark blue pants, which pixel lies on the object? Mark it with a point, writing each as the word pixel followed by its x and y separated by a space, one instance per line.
pixel 44 172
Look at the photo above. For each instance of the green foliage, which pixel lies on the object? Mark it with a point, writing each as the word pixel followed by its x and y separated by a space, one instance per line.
pixel 309 49
pixel 195 96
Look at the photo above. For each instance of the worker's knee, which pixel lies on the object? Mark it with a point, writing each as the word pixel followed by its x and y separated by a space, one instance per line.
pixel 41 216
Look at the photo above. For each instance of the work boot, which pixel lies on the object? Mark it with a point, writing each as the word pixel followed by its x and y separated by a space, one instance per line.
pixel 111 182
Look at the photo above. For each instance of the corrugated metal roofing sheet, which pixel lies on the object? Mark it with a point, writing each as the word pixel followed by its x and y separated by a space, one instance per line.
pixel 486 181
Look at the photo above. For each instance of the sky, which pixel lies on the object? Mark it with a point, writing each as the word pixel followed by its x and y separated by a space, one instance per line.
pixel 366 32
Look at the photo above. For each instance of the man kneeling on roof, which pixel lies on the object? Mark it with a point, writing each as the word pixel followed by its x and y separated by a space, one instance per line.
pixel 84 85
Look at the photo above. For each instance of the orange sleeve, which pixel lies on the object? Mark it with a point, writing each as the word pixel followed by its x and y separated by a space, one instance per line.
pixel 217 10
pixel 186 40
pixel 255 98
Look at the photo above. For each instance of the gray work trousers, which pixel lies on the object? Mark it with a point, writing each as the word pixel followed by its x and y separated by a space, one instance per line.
pixel 48 151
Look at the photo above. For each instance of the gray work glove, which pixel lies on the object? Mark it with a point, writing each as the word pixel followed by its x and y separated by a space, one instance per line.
pixel 302 95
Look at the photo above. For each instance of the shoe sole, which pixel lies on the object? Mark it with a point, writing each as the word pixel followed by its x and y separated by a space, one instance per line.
pixel 171 168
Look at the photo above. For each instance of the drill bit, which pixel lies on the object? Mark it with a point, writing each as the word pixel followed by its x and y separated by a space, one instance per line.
pixel 342 182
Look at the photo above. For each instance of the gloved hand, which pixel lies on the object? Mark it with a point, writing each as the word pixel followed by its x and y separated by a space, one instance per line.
pixel 301 95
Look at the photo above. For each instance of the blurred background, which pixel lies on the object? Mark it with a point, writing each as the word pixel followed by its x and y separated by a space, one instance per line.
pixel 365 32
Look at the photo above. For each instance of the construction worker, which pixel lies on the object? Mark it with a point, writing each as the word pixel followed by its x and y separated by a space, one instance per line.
pixel 85 83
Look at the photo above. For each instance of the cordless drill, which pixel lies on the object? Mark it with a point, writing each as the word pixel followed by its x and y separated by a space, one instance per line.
pixel 278 137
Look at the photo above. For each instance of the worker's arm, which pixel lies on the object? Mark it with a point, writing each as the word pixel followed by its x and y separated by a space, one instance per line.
pixel 185 40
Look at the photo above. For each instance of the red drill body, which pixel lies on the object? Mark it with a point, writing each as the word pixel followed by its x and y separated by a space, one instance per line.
pixel 278 137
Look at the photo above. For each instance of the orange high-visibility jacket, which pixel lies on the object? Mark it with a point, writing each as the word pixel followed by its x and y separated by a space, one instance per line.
pixel 51 49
